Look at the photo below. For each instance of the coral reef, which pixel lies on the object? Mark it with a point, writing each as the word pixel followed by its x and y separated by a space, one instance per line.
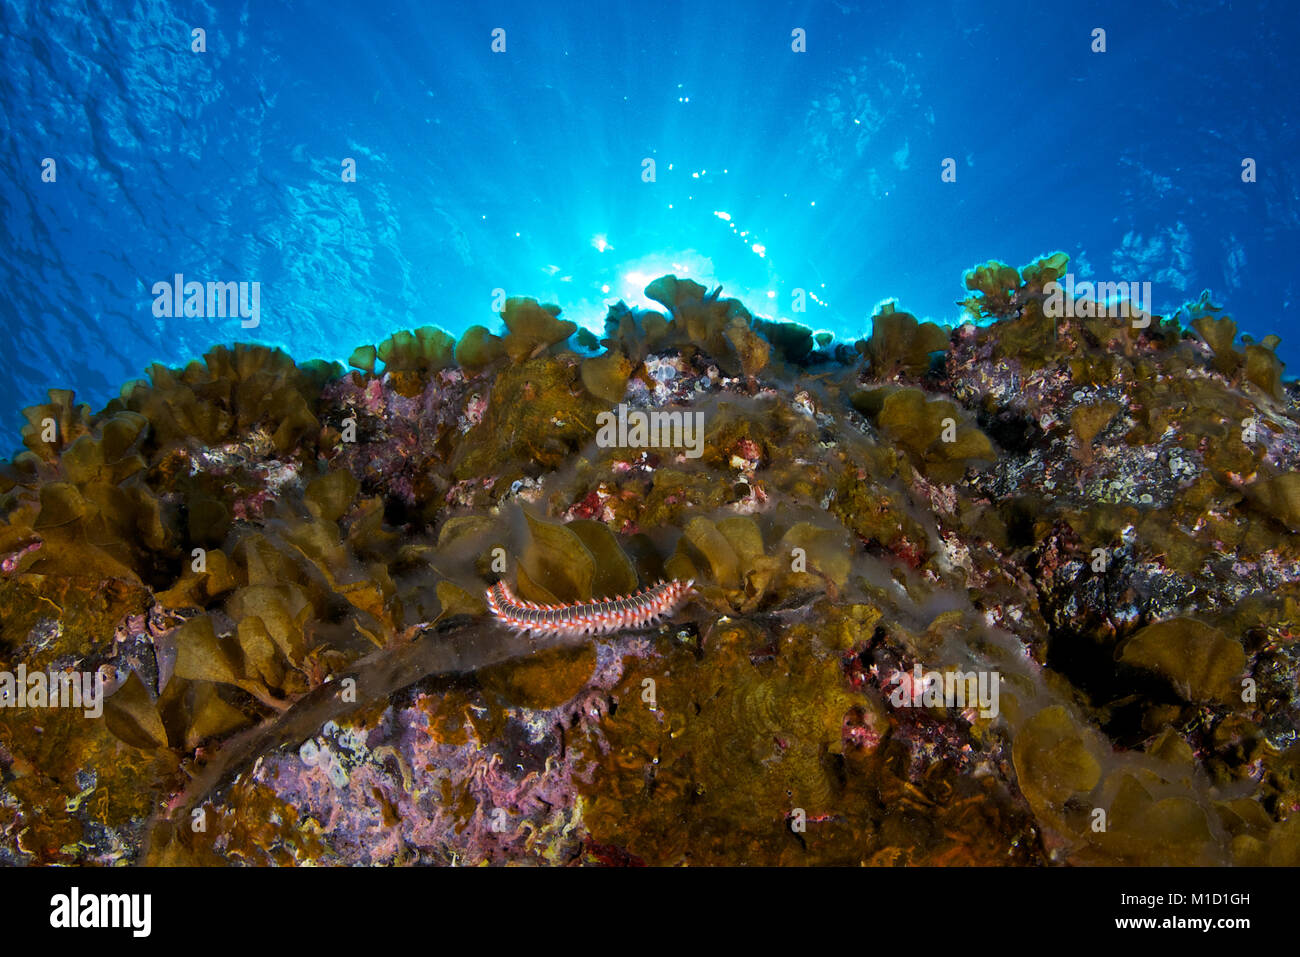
pixel 1021 592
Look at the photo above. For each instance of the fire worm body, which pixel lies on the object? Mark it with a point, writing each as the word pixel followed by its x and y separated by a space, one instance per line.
pixel 597 617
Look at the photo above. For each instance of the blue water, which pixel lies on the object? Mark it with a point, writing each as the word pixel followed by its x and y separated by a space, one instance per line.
pixel 522 170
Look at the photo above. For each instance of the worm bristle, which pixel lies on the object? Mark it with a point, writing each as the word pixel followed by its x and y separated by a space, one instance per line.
pixel 595 617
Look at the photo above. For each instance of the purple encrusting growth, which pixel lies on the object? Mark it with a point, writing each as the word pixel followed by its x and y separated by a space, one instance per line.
pixel 394 790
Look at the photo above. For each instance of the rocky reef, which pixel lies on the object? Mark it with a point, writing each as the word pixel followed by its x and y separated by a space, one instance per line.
pixel 1020 592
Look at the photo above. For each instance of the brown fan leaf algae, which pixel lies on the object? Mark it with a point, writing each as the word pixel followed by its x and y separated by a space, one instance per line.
pixel 1021 592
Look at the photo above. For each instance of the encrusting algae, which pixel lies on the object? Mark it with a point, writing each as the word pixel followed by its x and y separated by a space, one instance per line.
pixel 279 571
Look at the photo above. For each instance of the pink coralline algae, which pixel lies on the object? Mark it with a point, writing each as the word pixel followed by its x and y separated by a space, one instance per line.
pixel 420 783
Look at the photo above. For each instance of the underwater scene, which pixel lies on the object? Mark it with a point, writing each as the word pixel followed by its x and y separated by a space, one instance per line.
pixel 793 434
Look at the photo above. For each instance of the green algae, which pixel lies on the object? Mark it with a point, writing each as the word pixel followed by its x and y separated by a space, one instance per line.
pixel 533 328
pixel 606 376
pixel 792 341
pixel 1053 760
pixel 424 350
pixel 1200 661
pixel 556 566
pixel 900 344
pixel 720 328
pixel 478 348
pixel 937 436
pixel 1279 497
pixel 538 416
pixel 993 286
pixel 1089 421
